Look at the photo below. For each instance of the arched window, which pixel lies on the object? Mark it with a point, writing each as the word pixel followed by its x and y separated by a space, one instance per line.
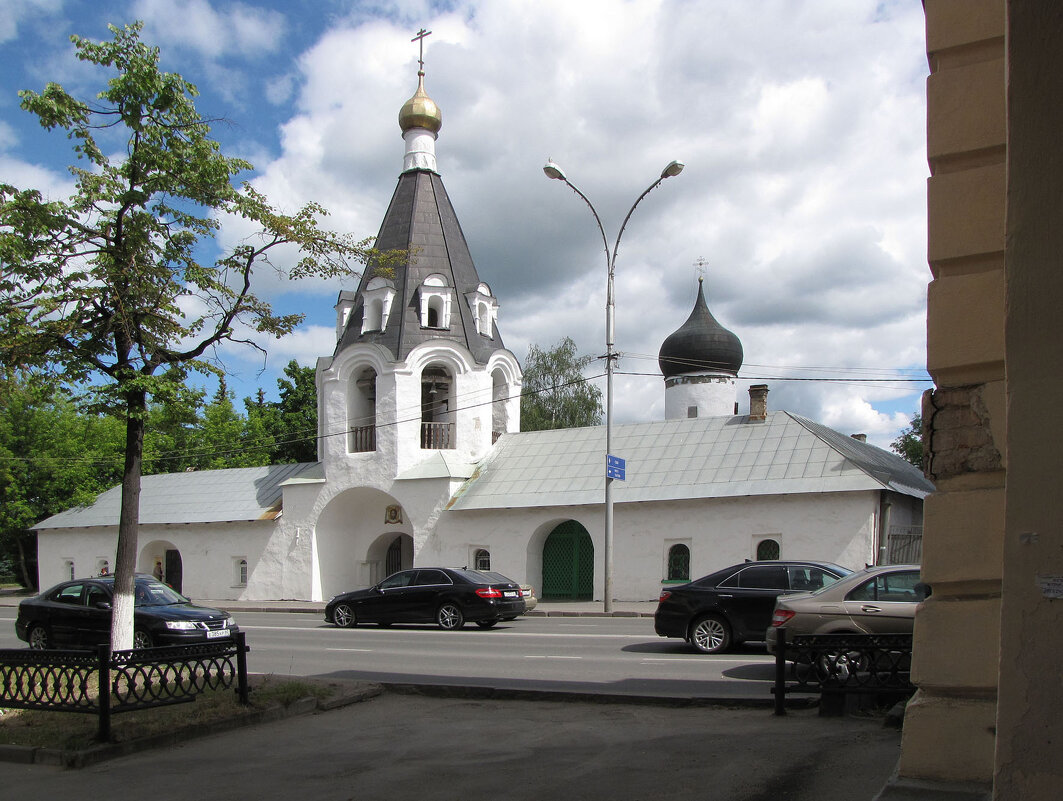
pixel 678 563
pixel 768 549
pixel 436 298
pixel 483 559
pixel 240 570
pixel 374 315
pixel 68 569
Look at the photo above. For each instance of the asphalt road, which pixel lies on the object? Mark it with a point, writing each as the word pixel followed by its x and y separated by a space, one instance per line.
pixel 596 655
pixel 409 747
pixel 412 746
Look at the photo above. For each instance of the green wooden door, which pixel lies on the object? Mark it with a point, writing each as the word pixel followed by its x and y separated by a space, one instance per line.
pixel 568 564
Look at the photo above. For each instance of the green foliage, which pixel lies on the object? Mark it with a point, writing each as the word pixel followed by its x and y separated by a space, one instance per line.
pixel 909 445
pixel 291 423
pixel 51 458
pixel 555 394
pixel 108 287
pixel 228 440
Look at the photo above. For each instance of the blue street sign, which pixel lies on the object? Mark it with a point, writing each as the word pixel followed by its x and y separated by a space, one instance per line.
pixel 615 467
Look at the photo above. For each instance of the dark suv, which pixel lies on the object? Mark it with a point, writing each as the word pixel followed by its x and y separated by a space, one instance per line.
pixel 735 604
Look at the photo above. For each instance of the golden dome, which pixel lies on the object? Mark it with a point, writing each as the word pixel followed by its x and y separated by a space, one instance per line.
pixel 420 111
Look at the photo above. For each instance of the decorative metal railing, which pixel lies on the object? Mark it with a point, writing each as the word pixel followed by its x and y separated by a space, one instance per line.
pixel 363 439
pixel 437 436
pixel 70 681
pixel 839 664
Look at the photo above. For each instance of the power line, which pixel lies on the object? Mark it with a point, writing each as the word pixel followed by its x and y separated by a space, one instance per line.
pixel 413 413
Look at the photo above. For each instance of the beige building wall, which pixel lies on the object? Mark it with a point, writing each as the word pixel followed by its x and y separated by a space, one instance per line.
pixel 989 642
pixel 949 725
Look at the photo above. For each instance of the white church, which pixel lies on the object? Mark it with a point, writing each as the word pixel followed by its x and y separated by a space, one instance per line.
pixel 421 459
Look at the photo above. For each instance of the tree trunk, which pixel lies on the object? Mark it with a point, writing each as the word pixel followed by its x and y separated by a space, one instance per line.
pixel 28 581
pixel 125 561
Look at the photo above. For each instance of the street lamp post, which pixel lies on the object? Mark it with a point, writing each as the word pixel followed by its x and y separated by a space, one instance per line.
pixel 553 171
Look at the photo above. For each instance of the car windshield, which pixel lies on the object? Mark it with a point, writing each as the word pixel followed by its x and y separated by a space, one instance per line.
pixel 155 593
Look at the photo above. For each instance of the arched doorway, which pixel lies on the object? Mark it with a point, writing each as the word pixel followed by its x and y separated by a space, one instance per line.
pixel 361 536
pixel 568 564
pixel 162 559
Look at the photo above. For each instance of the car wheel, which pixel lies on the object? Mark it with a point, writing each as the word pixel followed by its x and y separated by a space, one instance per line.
pixel 39 638
pixel 141 639
pixel 344 617
pixel 450 617
pixel 486 624
pixel 710 634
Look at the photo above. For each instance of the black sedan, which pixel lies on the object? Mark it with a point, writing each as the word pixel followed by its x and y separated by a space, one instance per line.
pixel 446 596
pixel 735 604
pixel 77 614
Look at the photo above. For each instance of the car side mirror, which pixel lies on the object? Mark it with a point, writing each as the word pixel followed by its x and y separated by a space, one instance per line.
pixel 922 590
pixel 103 605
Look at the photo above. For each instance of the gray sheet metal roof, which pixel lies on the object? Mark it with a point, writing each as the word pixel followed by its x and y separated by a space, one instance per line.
pixel 420 219
pixel 684 459
pixel 203 496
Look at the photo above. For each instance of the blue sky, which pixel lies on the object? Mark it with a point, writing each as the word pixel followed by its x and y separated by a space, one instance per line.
pixel 802 125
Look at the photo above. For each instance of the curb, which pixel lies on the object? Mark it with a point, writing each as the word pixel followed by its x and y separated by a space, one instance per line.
pixel 474 692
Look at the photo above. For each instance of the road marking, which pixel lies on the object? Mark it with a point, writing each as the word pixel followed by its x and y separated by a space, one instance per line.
pixel 534 656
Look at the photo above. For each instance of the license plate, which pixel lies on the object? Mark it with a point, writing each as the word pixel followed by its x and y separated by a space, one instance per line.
pixel 509 594
pixel 217 633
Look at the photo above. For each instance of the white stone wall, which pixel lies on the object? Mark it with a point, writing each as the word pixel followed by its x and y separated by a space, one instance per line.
pixel 712 395
pixel 837 527
pixel 208 557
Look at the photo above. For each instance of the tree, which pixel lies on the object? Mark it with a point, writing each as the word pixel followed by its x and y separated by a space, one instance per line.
pixel 909 444
pixel 51 458
pixel 229 440
pixel 555 394
pixel 292 421
pixel 111 288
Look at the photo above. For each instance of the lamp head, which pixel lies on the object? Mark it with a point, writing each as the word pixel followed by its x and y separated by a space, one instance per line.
pixel 673 169
pixel 554 171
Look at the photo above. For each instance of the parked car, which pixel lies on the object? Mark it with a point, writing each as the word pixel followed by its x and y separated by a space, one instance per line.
pixel 735 604
pixel 446 596
pixel 876 600
pixel 526 590
pixel 77 614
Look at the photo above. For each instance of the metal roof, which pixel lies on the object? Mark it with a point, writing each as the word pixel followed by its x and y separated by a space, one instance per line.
pixel 709 457
pixel 202 496
pixel 420 219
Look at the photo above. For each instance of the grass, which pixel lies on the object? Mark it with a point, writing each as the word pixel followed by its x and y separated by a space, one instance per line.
pixel 74 731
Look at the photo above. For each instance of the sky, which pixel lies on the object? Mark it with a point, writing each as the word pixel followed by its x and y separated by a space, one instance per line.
pixel 802 202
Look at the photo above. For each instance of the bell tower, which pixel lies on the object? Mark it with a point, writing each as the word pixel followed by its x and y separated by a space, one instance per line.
pixel 419 369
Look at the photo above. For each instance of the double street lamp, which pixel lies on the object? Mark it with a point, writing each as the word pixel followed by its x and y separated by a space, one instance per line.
pixel 553 171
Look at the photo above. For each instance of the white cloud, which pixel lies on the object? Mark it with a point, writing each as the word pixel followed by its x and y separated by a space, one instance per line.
pixel 213 32
pixel 802 126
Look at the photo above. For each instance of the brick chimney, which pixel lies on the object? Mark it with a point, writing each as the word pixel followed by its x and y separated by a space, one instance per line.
pixel 758 402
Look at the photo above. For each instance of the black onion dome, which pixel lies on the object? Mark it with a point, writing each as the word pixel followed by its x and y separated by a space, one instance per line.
pixel 700 345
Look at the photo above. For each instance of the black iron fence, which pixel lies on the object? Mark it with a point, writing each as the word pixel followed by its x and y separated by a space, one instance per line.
pixel 836 665
pixel 71 681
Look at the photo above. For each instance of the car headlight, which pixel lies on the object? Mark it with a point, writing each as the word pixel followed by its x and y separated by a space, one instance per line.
pixel 181 625
pixel 230 622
